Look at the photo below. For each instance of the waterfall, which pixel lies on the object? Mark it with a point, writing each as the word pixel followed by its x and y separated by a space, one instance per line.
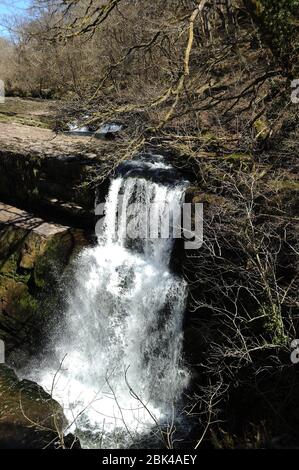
pixel 120 348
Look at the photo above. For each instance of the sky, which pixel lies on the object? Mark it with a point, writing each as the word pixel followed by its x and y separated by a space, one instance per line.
pixel 11 8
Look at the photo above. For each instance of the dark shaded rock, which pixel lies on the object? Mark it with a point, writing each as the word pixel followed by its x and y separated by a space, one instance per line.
pixel 59 184
pixel 52 175
pixel 29 417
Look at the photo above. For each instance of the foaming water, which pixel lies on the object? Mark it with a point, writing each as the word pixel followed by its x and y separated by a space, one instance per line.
pixel 120 346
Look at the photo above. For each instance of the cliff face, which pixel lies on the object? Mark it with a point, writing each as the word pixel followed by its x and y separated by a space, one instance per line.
pixel 33 256
pixel 43 172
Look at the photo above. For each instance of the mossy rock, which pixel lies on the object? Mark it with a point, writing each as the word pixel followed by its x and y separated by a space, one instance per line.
pixel 29 417
pixel 33 258
pixel 54 257
pixel 19 313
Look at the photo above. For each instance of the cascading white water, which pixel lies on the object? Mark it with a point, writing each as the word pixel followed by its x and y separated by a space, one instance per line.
pixel 122 337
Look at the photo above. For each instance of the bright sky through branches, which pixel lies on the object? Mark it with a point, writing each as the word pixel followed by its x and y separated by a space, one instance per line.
pixel 9 8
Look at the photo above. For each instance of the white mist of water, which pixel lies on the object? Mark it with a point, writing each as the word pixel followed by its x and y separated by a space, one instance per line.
pixel 122 336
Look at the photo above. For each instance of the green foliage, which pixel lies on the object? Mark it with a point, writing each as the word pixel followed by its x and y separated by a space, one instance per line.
pixel 281 20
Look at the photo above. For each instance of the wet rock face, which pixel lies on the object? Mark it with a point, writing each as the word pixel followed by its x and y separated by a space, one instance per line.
pixel 57 184
pixel 33 257
pixel 29 417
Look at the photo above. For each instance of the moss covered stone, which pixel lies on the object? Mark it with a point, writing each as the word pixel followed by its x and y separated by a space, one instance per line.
pixel 29 417
pixel 33 257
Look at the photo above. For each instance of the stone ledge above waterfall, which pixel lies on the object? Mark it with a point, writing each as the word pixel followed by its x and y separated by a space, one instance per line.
pixel 46 172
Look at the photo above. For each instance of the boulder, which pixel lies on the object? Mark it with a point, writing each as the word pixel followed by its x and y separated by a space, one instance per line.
pixel 29 417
